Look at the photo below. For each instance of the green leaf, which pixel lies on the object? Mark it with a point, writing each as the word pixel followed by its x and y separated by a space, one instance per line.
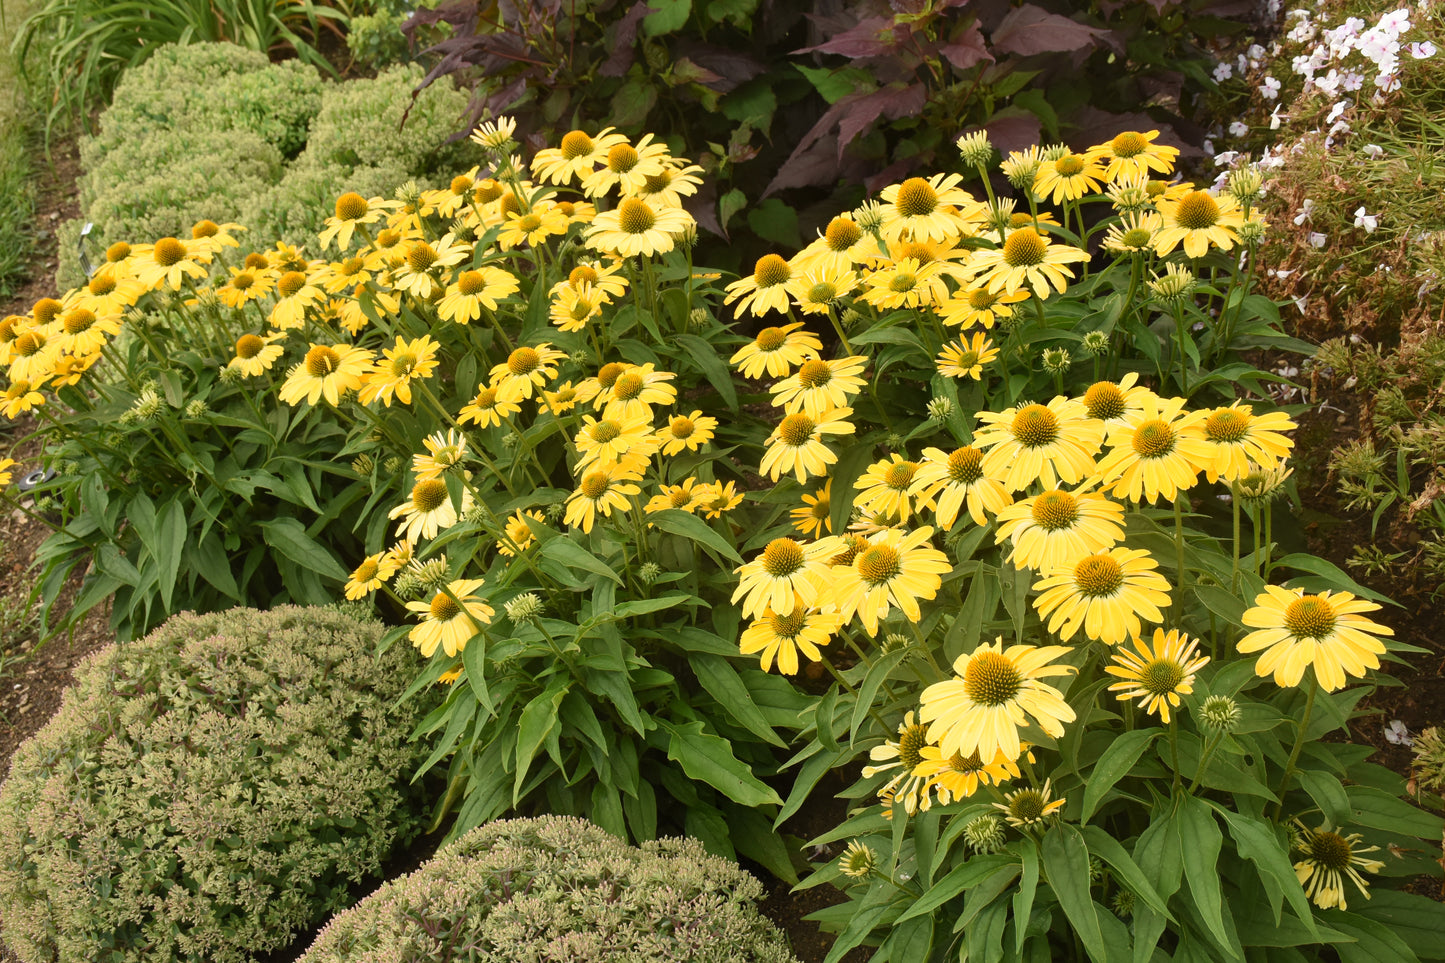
pixel 961 878
pixel 633 102
pixel 722 682
pixel 287 536
pixel 626 610
pixel 172 539
pixel 717 372
pixel 1200 841
pixel 728 205
pixel 752 103
pixel 1107 848
pixel 1114 764
pixel 689 526
pixel 1263 844
pixel 754 838
pixel 141 513
pixel 852 462
pixel 1023 899
pixel 1374 809
pixel 878 673
pixel 911 941
pixel 562 549
pixel 1325 789
pixel 1066 861
pixel 1417 921
pixel 1333 576
pixel 772 220
pixel 709 758
pixel 539 717
pixel 668 16
pixel 474 659
pixel 1374 942
pixel 208 557
pixel 835 84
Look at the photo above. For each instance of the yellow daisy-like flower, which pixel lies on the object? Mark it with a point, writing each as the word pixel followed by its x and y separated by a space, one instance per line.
pixel 776 351
pixel 976 304
pixel 451 619
pixel 474 290
pixel 1026 807
pixel 1116 405
pixel 519 533
pixel 1027 260
pixel 369 576
pixel 634 392
pixel 1105 593
pixel 1198 220
pixel 902 757
pixel 328 371
pixel 796 445
pixel 1157 675
pixel 676 180
pixel 525 370
pixel 255 354
pixel 392 374
pixel 895 569
pixel 887 488
pixel 5 465
pixel 1042 443
pixel 1158 456
pixel 905 284
pixel 423 262
pixel 1330 857
pixel 610 440
pixel 766 289
pixel 32 355
pixel 596 275
pixel 993 695
pixel 1297 630
pixel 837 248
pixel 638 226
pixel 567 396
pixel 246 285
pixel 718 497
pixel 83 333
pixel 628 167
pixel 572 308
pixel 352 211
pixel 169 261
pixel 20 397
pixel 958 776
pixel 1068 178
pixel 576 157
pixel 532 228
pixel 816 513
pixel 782 637
pixel 686 432
pixel 1132 154
pixel 1053 528
pixel 428 510
pixel 444 450
pixel 957 479
pixel 601 490
pixel 1239 437
pixel 107 293
pixel 487 409
pixel 683 497
pixel 960 360
pixel 787 573
pixel 1134 233
pixel 817 290
pixel 295 294
pixel 820 385
pixel 932 209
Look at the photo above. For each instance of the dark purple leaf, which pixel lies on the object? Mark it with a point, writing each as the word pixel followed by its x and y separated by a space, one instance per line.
pixel 876 182
pixel 732 67
pixel 816 166
pixel 1013 133
pixel 703 208
pixel 871 38
pixel 909 8
pixel 890 102
pixel 624 36
pixel 968 50
pixel 1032 30
pixel 459 13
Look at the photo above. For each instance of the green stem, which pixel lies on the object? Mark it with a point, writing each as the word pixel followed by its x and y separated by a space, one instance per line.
pixel 1179 555
pixel 1209 748
pixel 1299 742
pixel 1174 750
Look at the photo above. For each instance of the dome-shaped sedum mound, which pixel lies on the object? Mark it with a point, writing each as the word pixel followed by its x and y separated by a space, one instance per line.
pixel 208 793
pixel 558 889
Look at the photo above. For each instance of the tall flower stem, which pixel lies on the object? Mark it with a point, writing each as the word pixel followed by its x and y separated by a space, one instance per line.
pixel 1304 724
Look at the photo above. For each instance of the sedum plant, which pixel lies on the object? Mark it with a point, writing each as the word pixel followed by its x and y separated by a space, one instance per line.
pixel 553 889
pixel 936 495
pixel 207 793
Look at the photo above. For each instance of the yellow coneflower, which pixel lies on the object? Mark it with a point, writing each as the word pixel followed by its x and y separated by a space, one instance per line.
pixel 1157 675
pixel 1238 437
pixel 787 573
pixel 21 396
pixel 451 618
pixel 895 569
pixel 1297 630
pixel 1068 178
pixel 576 157
pixel 1027 260
pixel 905 284
pixel 532 228
pixel 815 514
pixel 817 290
pixel 393 373
pixel 369 576
pixel 518 530
pixel 1026 807
pixel 428 510
pixel 1198 220
pixel 256 354
pixel 683 497
pixel 169 261
pixel 932 209
pixel 887 488
pixel 958 776
pixel 597 275
pixel 1042 443
pixel 628 166
pixel 634 392
pixel 901 757
pixel 796 445
pixel 602 489
pixel 957 479
pixel 1117 405
pixel 416 276
pixel 571 308
pixel 352 211
pixel 328 371
pixel 766 289
pixel 966 360
pixel 444 450
pixel 686 432
pixel 717 497
pixel 976 304
pixel 525 371
pixel 295 294
pixel 1054 527
pixel 473 290
pixel 780 638
pixel 638 226
pixel 567 396
pixel 776 351
pixel 820 385
pixel 1330 858
pixel 1132 154
pixel 486 409
pixel 1104 593
pixel 608 441
pixel 836 249
pixel 1158 456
